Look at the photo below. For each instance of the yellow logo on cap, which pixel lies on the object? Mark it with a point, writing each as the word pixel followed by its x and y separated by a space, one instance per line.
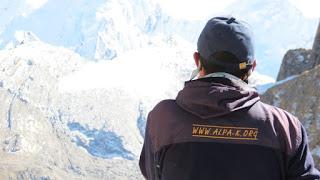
pixel 243 65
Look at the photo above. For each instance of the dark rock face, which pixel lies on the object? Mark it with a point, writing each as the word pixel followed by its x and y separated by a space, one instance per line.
pixel 295 62
pixel 315 56
pixel 299 60
pixel 301 97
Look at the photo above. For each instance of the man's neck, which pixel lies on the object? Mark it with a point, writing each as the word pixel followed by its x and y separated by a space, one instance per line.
pixel 226 75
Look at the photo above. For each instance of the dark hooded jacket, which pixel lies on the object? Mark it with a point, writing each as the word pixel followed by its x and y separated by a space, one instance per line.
pixel 218 130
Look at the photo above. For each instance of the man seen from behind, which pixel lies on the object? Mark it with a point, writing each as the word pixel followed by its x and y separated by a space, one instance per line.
pixel 217 128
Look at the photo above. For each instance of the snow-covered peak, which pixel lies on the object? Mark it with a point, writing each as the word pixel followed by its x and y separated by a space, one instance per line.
pixel 97 29
pixel 20 38
pixel 23 37
pixel 105 29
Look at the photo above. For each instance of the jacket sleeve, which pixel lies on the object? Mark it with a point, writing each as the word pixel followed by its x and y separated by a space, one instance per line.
pixel 301 164
pixel 146 162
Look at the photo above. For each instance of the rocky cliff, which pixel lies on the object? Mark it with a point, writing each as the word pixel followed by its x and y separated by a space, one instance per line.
pixel 301 96
pixel 315 56
pixel 295 62
pixel 299 60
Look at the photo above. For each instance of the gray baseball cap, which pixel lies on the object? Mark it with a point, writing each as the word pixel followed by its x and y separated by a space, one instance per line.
pixel 229 35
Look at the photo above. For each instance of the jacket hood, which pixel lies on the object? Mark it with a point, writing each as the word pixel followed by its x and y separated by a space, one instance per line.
pixel 217 96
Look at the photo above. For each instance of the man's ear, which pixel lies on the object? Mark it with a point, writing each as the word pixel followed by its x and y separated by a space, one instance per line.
pixel 254 65
pixel 196 57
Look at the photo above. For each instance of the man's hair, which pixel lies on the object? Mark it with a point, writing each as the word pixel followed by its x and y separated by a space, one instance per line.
pixel 210 65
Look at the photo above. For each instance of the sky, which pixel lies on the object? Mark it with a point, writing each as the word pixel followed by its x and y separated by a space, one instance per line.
pixel 201 9
pixel 35 4
pixel 310 8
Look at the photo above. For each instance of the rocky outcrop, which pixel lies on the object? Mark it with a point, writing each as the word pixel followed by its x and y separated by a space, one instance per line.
pixel 299 60
pixel 315 56
pixel 301 97
pixel 295 62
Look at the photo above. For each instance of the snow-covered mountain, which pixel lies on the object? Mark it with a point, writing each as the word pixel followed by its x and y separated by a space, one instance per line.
pixel 73 118
pixel 65 113
pixel 67 117
pixel 104 29
pixel 94 29
pixel 48 134
pixel 99 29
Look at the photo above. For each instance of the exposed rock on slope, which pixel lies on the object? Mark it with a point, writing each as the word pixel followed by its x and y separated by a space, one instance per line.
pixel 315 56
pixel 295 62
pixel 301 96
pixel 299 60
